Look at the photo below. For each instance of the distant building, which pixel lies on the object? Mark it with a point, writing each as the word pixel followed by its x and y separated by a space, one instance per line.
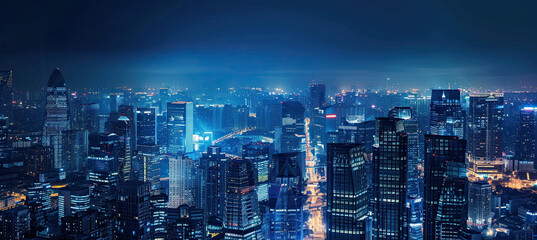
pixel 347 199
pixel 293 132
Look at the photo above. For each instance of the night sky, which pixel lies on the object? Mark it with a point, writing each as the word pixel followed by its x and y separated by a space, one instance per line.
pixel 270 43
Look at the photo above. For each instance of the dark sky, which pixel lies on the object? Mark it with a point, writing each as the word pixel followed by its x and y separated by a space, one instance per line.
pixel 270 43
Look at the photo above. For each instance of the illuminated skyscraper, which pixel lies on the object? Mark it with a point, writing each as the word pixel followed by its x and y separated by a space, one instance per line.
pixel 293 135
pixel 526 136
pixel 146 127
pixel 445 187
pixel 479 205
pixel 180 121
pixel 316 95
pixel 347 192
pixel 485 142
pixel 259 154
pixel 213 165
pixel 242 219
pixel 133 211
pixel 123 128
pixel 181 181
pixel 57 116
pixel 149 159
pixel 447 116
pixel 390 213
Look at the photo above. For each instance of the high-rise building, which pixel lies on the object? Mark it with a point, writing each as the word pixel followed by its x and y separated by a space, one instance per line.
pixel 14 222
pixel 286 200
pixel 6 94
pixel 242 220
pixel 347 199
pixel 186 222
pixel 149 160
pixel 390 214
pixel 180 123
pixel 316 95
pixel 292 133
pixel 526 137
pixel 159 206
pixel 103 170
pixel 133 211
pixel 75 149
pixel 57 116
pixel 72 200
pixel 213 165
pixel 445 187
pixel 146 126
pixel 447 116
pixel 259 154
pixel 479 205
pixel 485 142
pixel 123 129
pixel 181 190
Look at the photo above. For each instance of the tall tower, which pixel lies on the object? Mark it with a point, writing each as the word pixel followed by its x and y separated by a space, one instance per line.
pixel 56 115
pixel 479 205
pixel 347 191
pixel 526 137
pixel 134 211
pixel 292 135
pixel 180 121
pixel 146 127
pixel 390 214
pixel 213 165
pixel 125 154
pixel 242 210
pixel 486 134
pixel 259 154
pixel 316 96
pixel 445 187
pixel 447 116
pixel 286 199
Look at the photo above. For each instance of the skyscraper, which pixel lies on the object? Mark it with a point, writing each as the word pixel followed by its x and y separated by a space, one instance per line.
pixel 180 127
pixel 286 199
pixel 103 169
pixel 259 154
pixel 133 211
pixel 447 116
pixel 347 199
pixel 390 215
pixel 57 116
pixel 181 181
pixel 149 160
pixel 6 94
pixel 479 205
pixel 445 186
pixel 292 135
pixel 242 219
pixel 526 137
pixel 316 95
pixel 123 130
pixel 213 165
pixel 146 126
pixel 486 134
pixel 75 149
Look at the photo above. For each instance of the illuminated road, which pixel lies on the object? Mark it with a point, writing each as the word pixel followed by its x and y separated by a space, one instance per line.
pixel 314 203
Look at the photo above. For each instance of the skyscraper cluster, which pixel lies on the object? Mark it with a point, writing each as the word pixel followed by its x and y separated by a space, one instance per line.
pixel 252 163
